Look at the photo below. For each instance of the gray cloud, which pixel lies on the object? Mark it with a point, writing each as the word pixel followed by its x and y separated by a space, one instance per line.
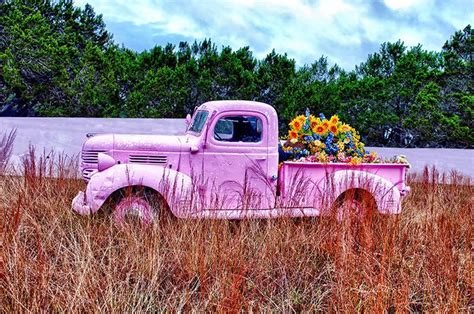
pixel 344 31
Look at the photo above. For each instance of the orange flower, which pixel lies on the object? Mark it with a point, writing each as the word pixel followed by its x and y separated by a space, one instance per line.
pixel 292 135
pixel 320 129
pixel 333 128
pixel 334 119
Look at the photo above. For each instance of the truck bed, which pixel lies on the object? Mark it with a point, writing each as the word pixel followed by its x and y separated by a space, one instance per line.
pixel 305 176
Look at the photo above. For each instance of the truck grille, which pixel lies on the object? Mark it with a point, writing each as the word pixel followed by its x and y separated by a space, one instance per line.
pixel 87 174
pixel 147 159
pixel 91 156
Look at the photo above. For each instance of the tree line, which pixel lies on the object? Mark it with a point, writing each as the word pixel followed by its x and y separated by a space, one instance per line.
pixel 57 59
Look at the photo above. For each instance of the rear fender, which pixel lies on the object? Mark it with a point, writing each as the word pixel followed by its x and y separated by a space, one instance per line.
pixel 174 186
pixel 385 193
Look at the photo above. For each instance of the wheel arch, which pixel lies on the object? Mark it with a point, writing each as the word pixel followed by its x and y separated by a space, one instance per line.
pixel 116 196
pixel 385 194
pixel 175 187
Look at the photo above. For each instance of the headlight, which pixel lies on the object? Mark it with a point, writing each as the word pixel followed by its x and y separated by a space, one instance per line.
pixel 105 161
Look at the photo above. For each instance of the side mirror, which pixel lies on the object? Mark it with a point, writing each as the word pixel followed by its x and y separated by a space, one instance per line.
pixel 188 120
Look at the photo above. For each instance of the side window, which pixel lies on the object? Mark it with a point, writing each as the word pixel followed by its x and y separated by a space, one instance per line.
pixel 239 129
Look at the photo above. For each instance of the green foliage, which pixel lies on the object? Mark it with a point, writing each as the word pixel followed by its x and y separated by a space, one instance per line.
pixel 58 60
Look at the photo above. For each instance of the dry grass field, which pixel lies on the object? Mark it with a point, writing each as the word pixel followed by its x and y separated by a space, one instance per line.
pixel 52 259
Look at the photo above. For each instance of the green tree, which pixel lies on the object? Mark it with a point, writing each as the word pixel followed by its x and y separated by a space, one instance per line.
pixel 59 60
pixel 46 48
pixel 274 79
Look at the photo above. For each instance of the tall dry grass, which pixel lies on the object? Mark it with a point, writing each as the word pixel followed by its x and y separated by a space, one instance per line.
pixel 54 260
pixel 7 139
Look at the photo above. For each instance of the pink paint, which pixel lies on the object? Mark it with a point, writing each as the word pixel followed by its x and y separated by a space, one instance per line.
pixel 226 166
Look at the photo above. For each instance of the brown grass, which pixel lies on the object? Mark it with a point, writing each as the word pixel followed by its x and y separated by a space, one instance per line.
pixel 54 260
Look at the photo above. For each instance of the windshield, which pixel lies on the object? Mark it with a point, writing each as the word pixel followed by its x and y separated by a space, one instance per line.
pixel 198 122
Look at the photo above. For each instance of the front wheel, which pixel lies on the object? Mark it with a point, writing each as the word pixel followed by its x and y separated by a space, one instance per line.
pixel 134 209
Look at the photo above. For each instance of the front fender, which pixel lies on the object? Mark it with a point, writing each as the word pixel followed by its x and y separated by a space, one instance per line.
pixel 385 193
pixel 174 186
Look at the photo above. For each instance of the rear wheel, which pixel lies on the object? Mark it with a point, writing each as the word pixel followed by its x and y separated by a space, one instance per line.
pixel 355 211
pixel 355 204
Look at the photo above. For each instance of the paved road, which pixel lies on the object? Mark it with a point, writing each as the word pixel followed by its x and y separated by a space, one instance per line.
pixel 67 134
pixel 444 160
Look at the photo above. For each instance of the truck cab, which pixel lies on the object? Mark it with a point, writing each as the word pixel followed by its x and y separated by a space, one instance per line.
pixel 233 152
pixel 225 165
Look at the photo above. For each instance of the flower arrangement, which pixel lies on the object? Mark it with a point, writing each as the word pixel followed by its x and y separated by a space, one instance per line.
pixel 317 139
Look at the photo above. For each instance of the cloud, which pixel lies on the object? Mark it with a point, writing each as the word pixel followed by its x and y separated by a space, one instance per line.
pixel 345 31
pixel 404 4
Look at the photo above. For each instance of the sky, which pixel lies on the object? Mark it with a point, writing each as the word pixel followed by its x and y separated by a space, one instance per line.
pixel 344 31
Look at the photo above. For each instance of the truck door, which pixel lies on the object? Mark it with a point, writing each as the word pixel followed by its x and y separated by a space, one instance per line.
pixel 236 161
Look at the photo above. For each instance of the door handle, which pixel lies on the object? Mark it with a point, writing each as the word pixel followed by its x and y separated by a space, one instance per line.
pixel 260 158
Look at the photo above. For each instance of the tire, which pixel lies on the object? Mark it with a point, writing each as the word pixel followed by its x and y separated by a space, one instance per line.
pixel 139 205
pixel 134 209
pixel 354 205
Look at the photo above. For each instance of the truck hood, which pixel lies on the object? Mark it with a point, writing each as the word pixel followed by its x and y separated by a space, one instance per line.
pixel 135 142
pixel 147 142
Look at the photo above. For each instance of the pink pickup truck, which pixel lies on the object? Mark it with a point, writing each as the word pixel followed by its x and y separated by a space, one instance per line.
pixel 226 165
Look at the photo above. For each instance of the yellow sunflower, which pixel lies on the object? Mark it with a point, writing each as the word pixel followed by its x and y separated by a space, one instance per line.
pixel 320 129
pixel 325 124
pixel 313 122
pixel 345 128
pixel 333 128
pixel 292 135
pixel 301 119
pixel 334 119
pixel 296 125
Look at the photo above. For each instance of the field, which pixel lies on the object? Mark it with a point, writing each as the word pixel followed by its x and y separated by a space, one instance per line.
pixel 54 260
